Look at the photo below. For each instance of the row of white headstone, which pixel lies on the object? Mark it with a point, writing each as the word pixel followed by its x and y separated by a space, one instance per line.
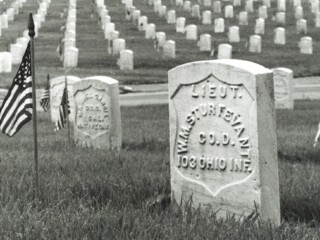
pixel 70 52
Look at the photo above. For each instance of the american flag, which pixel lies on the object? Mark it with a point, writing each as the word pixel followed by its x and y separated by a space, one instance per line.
pixel 63 110
pixel 45 97
pixel 16 109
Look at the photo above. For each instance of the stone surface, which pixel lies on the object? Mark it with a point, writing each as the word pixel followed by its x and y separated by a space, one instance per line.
pixel 171 17
pixel 219 25
pixel 125 62
pixel 206 17
pixel 195 11
pixel 56 90
pixel 204 43
pixel 260 26
pixel 281 18
pixel 283 88
pixel 228 11
pixel 234 34
pixel 160 38
pixel 97 113
pixel 217 7
pixel 192 32
pixel 224 51
pixel 255 44
pixel 17 52
pixel 169 49
pixel 306 45
pixel 70 58
pixel 150 31
pixel 118 45
pixel 243 18
pixel 279 36
pixel 223 143
pixel 263 12
pixel 180 24
pixel 142 23
pixel 302 26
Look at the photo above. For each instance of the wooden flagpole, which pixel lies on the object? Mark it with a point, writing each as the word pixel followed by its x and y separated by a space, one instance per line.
pixel 34 105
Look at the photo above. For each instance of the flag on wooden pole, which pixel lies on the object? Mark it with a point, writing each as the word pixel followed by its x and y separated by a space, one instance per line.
pixel 16 109
pixel 45 97
pixel 63 110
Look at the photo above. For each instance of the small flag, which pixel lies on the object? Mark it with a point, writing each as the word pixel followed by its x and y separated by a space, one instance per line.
pixel 45 97
pixel 16 109
pixel 63 110
pixel 317 138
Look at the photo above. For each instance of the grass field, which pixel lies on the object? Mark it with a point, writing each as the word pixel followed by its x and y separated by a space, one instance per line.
pixel 150 67
pixel 96 194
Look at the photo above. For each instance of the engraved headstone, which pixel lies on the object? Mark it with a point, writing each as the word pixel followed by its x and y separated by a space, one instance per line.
pixel 224 51
pixel 255 44
pixel 219 25
pixel 234 34
pixel 206 17
pixel 204 43
pixel 283 88
pixel 306 45
pixel 192 32
pixel 125 62
pixel 180 24
pixel 56 90
pixel 97 113
pixel 279 36
pixel 223 142
pixel 243 18
pixel 315 6
pixel 169 49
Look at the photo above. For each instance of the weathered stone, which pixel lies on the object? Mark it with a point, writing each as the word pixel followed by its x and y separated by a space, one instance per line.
pixel 283 88
pixel 223 140
pixel 97 113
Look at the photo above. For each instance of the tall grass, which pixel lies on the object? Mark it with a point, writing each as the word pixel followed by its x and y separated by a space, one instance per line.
pixel 96 194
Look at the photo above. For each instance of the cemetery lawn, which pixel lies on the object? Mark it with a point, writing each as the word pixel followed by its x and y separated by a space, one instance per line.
pixel 95 194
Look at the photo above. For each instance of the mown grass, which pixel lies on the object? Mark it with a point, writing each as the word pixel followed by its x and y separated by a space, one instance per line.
pixel 150 66
pixel 96 194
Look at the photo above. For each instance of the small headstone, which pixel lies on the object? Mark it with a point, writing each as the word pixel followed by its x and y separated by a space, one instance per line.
pixel 204 43
pixel 296 3
pixel 150 31
pixel 179 2
pixel 17 51
pixel 70 58
pixel 69 42
pixel 128 3
pixel 243 18
pixel 219 25
pixel 157 6
pixel 161 38
pixel 129 12
pixel 224 51
pixel 142 23
pixel 260 26
pixel 217 7
pixel 279 36
pixel 195 11
pixel 109 28
pixel 10 14
pixel 169 49
pixel 97 120
pixel 6 62
pixel 125 62
pixel 180 24
pixel 255 44
pixel 191 32
pixel 317 20
pixel 171 17
pixel 118 45
pixel 187 6
pixel 207 3
pixel 281 5
pixel 302 26
pixel 236 3
pixel 281 18
pixel 56 90
pixel 223 140
pixel 315 6
pixel 228 11
pixel 283 88
pixel 135 16
pixel 263 12
pixel 206 17
pixel 306 45
pixel 249 6
pixel 150 2
pixel 4 20
pixel 234 34
pixel 298 13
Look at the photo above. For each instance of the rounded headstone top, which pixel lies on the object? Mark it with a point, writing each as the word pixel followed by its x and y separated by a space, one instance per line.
pixel 105 79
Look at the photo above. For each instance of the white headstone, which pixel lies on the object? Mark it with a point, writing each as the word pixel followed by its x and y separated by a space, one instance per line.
pixel 108 29
pixel 206 17
pixel 219 25
pixel 255 44
pixel 281 5
pixel 243 18
pixel 234 34
pixel 207 3
pixel 204 43
pixel 163 11
pixel 260 26
pixel 283 88
pixel 57 86
pixel 180 24
pixel 157 6
pixel 129 3
pixel 298 13
pixel 315 6
pixel 97 120
pixel 4 20
pixel 263 12
pixel 191 32
pixel 125 62
pixel 187 6
pixel 217 7
pixel 306 45
pixel 150 31
pixel 70 58
pixel 179 2
pixel 279 36
pixel 119 44
pixel 17 51
pixel 6 62
pixel 296 3
pixel 228 11
pixel 161 38
pixel 302 26
pixel 249 6
pixel 224 51
pixel 317 20
pixel 169 49
pixel 135 16
pixel 281 18
pixel 223 140
pixel 10 14
pixel 236 3
pixel 195 11
pixel 142 23
pixel 171 17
